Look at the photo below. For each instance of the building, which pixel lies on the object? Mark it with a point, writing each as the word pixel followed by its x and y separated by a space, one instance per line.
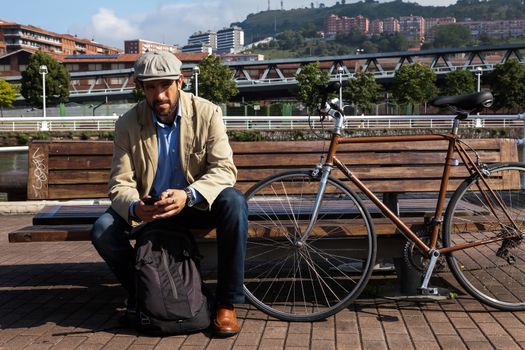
pixel 360 22
pixel 17 36
pixel 391 25
pixel 198 47
pixel 335 24
pixel 141 46
pixel 376 27
pixel 230 40
pixel 229 57
pixel 497 29
pixel 332 24
pixel 209 38
pixel 431 23
pixel 92 72
pixel 413 27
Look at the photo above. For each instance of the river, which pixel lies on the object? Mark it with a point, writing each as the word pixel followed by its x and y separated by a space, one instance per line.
pixel 11 164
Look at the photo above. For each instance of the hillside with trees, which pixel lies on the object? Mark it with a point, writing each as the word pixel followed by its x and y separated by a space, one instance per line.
pixel 311 19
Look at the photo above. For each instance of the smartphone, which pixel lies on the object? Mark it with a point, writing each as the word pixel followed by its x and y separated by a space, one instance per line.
pixel 150 200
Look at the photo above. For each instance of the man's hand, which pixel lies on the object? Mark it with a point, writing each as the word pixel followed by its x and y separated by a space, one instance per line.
pixel 170 203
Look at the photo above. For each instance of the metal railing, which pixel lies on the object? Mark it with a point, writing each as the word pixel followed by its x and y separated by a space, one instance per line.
pixel 107 123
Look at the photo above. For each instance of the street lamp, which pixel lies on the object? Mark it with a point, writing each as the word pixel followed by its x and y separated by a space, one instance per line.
pixel 357 52
pixel 479 73
pixel 196 71
pixel 340 70
pixel 43 71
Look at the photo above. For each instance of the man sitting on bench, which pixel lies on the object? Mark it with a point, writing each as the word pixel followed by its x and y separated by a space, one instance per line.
pixel 172 161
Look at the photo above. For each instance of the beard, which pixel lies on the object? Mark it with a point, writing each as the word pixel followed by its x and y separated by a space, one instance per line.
pixel 165 115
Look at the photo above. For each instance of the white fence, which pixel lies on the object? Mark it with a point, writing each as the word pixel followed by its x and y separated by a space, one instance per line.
pixel 107 123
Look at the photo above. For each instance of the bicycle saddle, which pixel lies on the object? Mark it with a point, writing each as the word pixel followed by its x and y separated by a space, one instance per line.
pixel 465 103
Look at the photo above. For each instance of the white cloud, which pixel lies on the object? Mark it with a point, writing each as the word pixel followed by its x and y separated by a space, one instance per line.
pixel 175 20
pixel 109 29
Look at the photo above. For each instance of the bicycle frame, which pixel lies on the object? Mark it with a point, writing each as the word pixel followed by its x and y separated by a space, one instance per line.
pixel 454 147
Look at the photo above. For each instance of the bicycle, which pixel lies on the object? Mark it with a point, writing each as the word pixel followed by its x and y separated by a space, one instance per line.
pixel 314 248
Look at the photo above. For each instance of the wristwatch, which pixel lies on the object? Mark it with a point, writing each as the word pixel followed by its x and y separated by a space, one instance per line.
pixel 190 199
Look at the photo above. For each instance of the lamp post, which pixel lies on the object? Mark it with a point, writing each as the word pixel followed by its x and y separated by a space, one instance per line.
pixel 357 52
pixel 340 71
pixel 479 73
pixel 43 70
pixel 196 71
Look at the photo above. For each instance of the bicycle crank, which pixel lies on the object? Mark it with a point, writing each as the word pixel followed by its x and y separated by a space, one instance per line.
pixel 417 261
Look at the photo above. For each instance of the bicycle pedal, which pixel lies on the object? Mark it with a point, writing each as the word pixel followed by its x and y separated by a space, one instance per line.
pixel 433 291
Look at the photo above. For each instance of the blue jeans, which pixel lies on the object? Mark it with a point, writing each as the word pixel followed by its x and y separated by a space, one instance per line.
pixel 229 215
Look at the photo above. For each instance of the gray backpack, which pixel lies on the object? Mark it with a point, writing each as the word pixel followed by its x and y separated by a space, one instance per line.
pixel 168 285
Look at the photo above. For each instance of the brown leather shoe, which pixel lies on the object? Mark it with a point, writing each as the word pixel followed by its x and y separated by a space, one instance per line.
pixel 225 323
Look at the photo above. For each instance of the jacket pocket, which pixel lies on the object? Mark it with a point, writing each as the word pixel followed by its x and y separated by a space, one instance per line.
pixel 197 162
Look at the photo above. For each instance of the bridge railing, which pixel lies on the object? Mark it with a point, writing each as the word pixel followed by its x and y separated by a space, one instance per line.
pixel 107 123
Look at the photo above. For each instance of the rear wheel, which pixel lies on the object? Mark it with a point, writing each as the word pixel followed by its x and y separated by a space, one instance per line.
pixel 493 273
pixel 296 280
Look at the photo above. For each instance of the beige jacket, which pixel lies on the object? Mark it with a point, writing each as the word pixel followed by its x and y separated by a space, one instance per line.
pixel 206 155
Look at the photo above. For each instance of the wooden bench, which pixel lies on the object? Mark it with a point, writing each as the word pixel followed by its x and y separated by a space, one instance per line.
pixel 62 170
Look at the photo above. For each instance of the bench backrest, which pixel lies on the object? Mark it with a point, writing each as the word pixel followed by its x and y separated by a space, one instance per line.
pixel 80 169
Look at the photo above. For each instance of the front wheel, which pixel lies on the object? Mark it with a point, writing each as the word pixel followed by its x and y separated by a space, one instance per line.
pixel 493 272
pixel 306 280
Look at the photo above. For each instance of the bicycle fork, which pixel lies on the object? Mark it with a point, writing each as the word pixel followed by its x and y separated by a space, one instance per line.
pixel 325 173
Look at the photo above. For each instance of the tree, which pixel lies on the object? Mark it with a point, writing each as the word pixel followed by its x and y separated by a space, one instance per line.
pixel 215 81
pixel 57 80
pixel 451 35
pixel 414 84
pixel 507 83
pixel 458 82
pixel 308 79
pixel 363 91
pixel 7 95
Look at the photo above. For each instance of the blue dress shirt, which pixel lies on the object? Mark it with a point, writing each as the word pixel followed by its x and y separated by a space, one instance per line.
pixel 169 171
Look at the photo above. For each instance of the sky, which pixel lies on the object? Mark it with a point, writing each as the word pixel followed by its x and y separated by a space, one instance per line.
pixel 110 22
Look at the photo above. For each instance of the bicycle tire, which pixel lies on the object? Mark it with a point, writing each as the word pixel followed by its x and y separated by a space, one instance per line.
pixel 498 281
pixel 313 280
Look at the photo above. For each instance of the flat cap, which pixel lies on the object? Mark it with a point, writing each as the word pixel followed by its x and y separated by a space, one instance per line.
pixel 155 65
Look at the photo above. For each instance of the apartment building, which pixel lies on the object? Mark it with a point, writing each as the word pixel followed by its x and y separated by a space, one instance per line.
pixel 431 23
pixel 376 27
pixel 141 46
pixel 413 27
pixel 198 47
pixel 497 29
pixel 335 24
pixel 17 36
pixel 81 66
pixel 230 40
pixel 332 25
pixel 208 38
pixel 391 25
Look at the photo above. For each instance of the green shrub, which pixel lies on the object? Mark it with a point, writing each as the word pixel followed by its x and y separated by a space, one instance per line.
pixel 22 139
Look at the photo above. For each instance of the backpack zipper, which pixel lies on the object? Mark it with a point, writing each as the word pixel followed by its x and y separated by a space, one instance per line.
pixel 170 277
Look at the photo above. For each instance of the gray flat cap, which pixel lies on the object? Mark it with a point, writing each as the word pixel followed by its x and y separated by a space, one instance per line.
pixel 155 65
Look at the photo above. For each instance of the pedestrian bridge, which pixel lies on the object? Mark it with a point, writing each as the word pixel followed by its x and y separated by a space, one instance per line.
pixel 276 78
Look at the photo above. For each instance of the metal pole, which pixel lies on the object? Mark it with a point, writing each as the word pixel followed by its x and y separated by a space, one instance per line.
pixel 340 69
pixel 43 71
pixel 196 83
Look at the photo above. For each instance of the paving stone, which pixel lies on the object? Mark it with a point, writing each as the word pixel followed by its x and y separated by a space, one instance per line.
pixel 297 340
pixel 399 341
pixel 61 296
pixel 271 344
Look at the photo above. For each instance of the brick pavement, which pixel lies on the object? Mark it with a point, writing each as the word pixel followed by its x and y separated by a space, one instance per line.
pixel 60 295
